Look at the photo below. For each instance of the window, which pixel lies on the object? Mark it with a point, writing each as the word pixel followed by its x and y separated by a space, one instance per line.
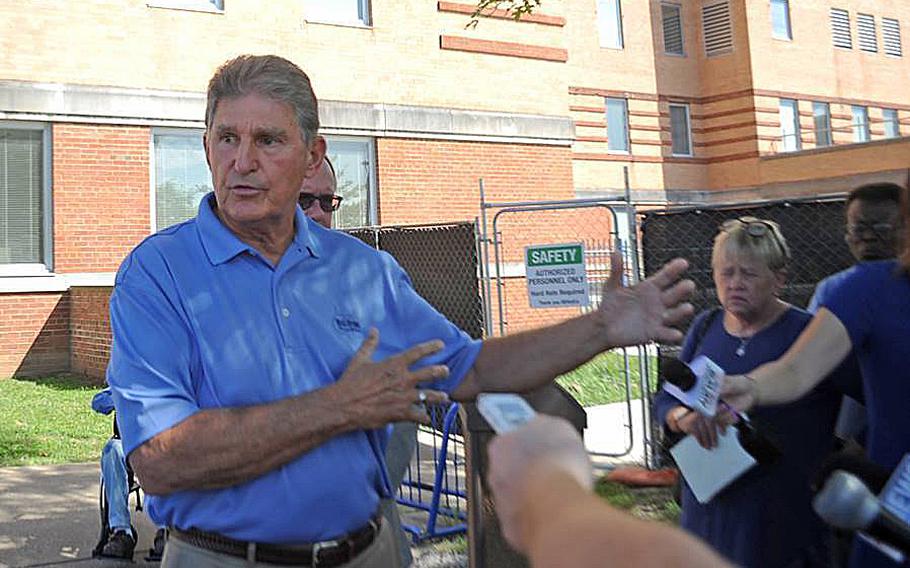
pixel 25 213
pixel 718 30
pixel 673 31
pixel 194 5
pixel 840 29
pixel 780 19
pixel 617 125
pixel 892 124
pixel 350 12
pixel 865 33
pixel 181 177
pixel 609 23
pixel 680 132
pixel 821 114
pixel 891 37
pixel 354 166
pixel 860 123
pixel 789 125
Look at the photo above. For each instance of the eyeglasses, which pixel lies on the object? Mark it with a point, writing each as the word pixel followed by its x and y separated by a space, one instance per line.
pixel 758 229
pixel 327 203
pixel 878 230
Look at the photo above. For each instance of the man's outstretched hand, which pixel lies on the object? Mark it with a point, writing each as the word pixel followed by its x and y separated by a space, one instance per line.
pixel 648 311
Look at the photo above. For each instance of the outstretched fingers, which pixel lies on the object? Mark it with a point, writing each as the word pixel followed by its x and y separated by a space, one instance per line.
pixel 669 273
pixel 364 354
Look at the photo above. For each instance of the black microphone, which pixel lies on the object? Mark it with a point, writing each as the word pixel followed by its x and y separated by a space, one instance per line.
pixel 846 503
pixel 854 460
pixel 758 445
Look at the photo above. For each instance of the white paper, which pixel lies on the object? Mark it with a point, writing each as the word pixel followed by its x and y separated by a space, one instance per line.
pixel 709 471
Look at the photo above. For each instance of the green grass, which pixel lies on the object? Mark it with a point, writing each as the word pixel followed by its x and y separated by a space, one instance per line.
pixel 600 381
pixel 49 421
pixel 649 503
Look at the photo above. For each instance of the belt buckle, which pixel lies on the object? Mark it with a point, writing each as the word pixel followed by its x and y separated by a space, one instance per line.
pixel 319 546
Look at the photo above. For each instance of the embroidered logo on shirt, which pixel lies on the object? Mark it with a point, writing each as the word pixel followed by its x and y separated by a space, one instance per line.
pixel 346 322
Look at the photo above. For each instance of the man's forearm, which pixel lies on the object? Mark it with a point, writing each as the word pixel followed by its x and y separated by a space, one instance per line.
pixel 223 447
pixel 569 526
pixel 527 360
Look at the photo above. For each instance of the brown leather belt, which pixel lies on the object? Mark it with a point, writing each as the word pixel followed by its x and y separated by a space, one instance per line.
pixel 320 554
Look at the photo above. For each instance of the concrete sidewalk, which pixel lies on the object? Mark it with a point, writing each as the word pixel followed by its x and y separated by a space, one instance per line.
pixel 49 516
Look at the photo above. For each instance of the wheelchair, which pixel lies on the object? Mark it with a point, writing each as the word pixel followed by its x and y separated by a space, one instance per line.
pixel 155 553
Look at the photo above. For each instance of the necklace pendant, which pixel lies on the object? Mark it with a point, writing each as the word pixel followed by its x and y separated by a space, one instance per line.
pixel 741 350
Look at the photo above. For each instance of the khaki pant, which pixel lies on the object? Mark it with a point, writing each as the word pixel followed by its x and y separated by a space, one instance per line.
pixel 178 554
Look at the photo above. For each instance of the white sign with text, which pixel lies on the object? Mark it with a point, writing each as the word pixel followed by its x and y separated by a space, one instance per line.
pixel 556 275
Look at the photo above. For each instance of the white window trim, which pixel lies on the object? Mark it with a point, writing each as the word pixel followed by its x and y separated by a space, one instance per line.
pixel 795 125
pixel 774 35
pixel 621 32
pixel 867 128
pixel 373 190
pixel 688 130
pixel 187 5
pixel 153 197
pixel 682 30
pixel 365 6
pixel 47 224
pixel 627 127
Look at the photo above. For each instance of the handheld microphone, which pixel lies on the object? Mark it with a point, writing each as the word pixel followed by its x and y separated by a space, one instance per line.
pixel 846 503
pixel 685 381
pixel 696 385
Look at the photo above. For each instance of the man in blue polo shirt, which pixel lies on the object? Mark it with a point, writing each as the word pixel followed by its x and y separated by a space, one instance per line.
pixel 257 356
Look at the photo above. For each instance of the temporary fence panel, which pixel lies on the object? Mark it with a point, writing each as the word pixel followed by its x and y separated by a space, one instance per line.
pixel 507 229
pixel 441 261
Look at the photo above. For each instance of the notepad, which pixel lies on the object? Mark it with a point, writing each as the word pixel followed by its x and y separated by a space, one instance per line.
pixel 708 471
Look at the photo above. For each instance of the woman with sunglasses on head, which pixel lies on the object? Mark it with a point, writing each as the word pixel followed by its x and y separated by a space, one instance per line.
pixel 764 518
pixel 868 311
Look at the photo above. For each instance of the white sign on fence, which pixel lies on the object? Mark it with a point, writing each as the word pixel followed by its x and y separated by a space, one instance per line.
pixel 556 275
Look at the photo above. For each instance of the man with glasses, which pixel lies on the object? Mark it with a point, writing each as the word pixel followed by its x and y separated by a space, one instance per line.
pixel 317 195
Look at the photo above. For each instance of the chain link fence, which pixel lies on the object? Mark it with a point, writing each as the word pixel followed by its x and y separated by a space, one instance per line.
pixel 441 260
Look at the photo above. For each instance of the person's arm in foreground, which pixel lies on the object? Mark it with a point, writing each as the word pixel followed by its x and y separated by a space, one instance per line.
pixel 819 350
pixel 648 311
pixel 540 477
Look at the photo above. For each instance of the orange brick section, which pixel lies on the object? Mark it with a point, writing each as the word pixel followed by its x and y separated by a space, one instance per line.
pixel 459 8
pixel 101 195
pixel 508 48
pixel 34 334
pixel 90 331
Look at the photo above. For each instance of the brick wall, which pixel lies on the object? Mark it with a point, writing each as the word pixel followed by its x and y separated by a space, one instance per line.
pixel 90 331
pixel 101 195
pixel 34 334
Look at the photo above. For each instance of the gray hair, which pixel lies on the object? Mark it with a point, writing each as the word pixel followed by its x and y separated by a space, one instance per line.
pixel 760 239
pixel 270 76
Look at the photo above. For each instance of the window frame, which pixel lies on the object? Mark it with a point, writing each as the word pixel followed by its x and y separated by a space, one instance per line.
pixel 153 189
pixel 797 137
pixel 364 7
pixel 834 24
pixel 891 33
pixel 372 189
pixel 45 266
pixel 864 135
pixel 788 24
pixel 625 125
pixel 896 122
pixel 620 32
pixel 865 23
pixel 682 29
pixel 205 6
pixel 688 132
pixel 829 134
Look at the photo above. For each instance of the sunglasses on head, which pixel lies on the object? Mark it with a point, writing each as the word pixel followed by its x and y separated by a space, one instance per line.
pixel 758 229
pixel 327 203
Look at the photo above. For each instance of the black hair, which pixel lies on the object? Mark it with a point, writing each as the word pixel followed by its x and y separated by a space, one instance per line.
pixel 876 193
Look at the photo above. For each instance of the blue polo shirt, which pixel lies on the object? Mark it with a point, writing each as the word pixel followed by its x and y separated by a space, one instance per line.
pixel 201 320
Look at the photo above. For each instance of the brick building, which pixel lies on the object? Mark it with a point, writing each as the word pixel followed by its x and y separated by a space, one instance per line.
pixel 101 109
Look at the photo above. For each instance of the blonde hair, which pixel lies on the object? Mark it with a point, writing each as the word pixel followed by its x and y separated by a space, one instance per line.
pixel 750 236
